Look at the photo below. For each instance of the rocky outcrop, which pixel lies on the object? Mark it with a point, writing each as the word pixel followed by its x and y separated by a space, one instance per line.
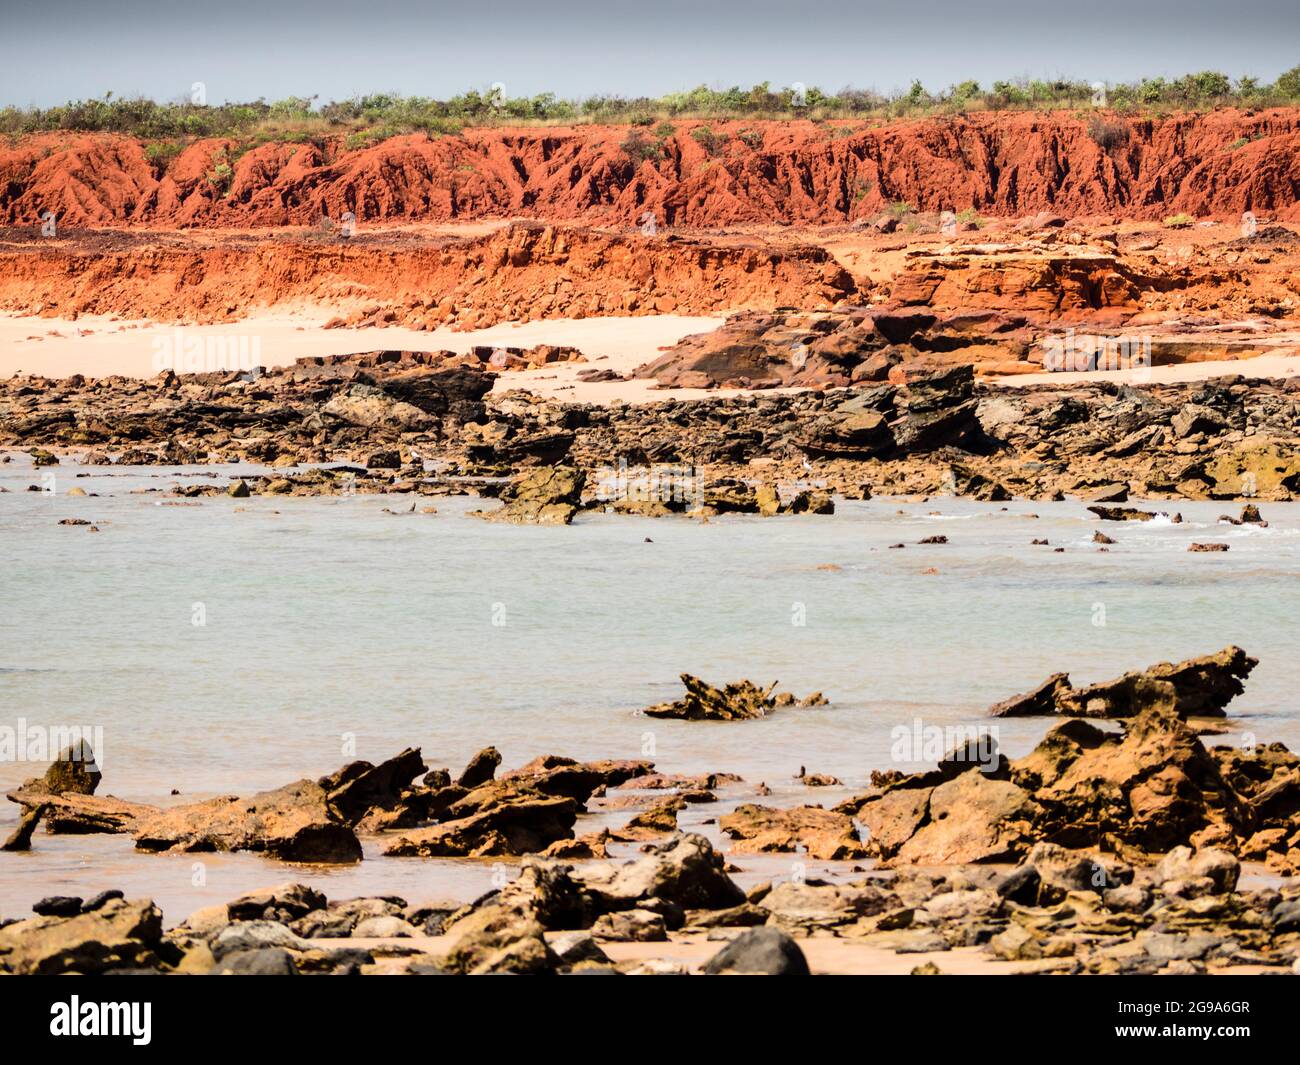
pixel 684 870
pixel 518 823
pixel 293 823
pixel 821 834
pixel 361 789
pixel 1196 687
pixel 117 935
pixel 1140 792
pixel 550 495
pixel 740 701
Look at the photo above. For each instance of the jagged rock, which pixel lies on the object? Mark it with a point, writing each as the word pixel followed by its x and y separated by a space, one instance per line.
pixel 292 823
pixel 822 834
pixel 119 934
pixel 760 951
pixel 516 821
pixel 21 837
pixel 282 903
pixel 481 768
pixel 497 939
pixel 66 794
pixel 76 814
pixel 359 787
pixel 685 870
pixel 1154 788
pixel 73 772
pixel 548 495
pixel 657 821
pixel 1123 514
pixel 1195 687
pixel 740 701
pixel 454 393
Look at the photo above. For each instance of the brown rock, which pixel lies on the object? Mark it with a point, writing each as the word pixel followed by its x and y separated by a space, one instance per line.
pixel 823 834
pixel 119 934
pixel 292 823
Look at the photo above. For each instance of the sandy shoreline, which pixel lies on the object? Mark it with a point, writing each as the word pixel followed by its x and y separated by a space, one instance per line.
pixel 98 346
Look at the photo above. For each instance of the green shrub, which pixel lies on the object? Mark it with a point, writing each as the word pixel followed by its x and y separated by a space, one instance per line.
pixel 637 148
pixel 708 140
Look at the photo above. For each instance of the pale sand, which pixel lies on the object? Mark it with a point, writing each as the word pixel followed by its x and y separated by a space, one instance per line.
pixel 1262 366
pixel 621 344
pixel 127 348
pixel 827 955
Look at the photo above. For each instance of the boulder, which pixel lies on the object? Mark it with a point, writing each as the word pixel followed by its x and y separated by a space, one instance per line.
pixel 631 926
pixel 972 818
pixel 1182 864
pixel 807 906
pixel 119 934
pixel 263 961
pixel 497 939
pixel 373 408
pixel 760 951
pixel 685 870
pixel 254 935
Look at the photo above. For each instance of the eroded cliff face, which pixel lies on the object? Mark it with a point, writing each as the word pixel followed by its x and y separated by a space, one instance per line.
pixel 519 272
pixel 1004 164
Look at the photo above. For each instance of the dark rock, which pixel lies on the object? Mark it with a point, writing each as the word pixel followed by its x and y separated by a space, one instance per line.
pixel 762 951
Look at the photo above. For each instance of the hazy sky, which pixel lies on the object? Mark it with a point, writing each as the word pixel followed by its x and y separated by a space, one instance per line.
pixel 54 50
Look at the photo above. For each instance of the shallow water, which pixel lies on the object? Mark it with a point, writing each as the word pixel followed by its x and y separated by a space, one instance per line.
pixel 331 626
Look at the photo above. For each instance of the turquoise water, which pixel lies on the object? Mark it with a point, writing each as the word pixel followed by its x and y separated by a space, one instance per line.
pixel 331 626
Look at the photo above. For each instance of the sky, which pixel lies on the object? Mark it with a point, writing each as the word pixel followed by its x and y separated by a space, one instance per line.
pixel 55 50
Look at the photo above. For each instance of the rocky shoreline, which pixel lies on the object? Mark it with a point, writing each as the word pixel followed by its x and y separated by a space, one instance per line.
pixel 1101 851
pixel 421 423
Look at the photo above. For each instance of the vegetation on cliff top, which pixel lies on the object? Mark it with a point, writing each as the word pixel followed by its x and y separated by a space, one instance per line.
pixel 373 117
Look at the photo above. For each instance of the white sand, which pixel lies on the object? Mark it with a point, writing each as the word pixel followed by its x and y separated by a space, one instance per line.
pixel 1281 365
pixel 98 346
